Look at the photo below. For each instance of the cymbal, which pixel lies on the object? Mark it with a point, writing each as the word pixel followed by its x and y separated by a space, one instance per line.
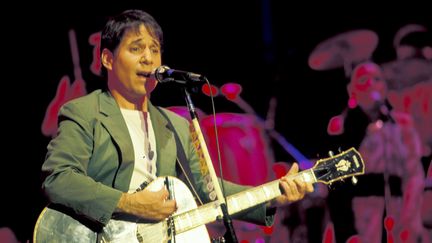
pixel 404 73
pixel 405 31
pixel 343 49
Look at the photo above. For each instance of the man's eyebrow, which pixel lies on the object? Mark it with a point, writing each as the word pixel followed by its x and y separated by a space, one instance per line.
pixel 154 42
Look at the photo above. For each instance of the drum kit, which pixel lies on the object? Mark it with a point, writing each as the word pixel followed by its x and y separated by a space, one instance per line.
pixel 408 78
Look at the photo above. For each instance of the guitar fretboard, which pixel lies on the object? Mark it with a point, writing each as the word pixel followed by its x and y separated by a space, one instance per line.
pixel 236 203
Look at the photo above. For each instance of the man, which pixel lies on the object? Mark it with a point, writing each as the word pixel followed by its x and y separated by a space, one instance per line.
pixel 111 144
pixel 391 189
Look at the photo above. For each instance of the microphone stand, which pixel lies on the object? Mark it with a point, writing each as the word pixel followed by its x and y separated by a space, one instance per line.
pixel 226 217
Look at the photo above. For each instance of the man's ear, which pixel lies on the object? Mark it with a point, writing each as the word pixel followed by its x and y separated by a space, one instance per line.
pixel 107 58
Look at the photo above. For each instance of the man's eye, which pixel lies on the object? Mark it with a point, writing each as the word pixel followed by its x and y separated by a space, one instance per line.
pixel 135 49
pixel 363 80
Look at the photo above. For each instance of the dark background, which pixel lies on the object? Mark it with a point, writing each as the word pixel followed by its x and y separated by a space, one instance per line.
pixel 261 44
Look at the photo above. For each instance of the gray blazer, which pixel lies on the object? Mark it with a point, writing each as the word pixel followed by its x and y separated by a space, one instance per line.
pixel 90 162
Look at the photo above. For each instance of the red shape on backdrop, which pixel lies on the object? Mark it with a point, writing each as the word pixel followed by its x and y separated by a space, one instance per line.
pixel 404 235
pixel 352 103
pixel 65 92
pixel 280 169
pixel 353 239
pixel 94 40
pixel 388 225
pixel 328 233
pixel 207 88
pixel 49 124
pixel 231 90
pixel 336 125
pixel 77 89
pixel 268 230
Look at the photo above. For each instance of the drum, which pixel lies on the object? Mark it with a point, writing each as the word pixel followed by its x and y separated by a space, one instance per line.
pixel 246 155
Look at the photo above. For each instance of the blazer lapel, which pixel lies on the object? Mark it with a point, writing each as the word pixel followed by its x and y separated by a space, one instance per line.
pixel 166 148
pixel 113 121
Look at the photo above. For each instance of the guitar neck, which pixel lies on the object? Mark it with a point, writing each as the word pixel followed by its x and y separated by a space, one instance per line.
pixel 210 212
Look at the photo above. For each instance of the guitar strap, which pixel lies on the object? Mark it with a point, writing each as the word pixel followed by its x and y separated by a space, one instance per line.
pixel 184 172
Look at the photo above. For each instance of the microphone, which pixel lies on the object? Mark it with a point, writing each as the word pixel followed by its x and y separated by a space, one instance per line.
pixel 164 74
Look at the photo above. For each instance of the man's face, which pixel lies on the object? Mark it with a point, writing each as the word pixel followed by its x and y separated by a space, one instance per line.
pixel 137 55
pixel 368 85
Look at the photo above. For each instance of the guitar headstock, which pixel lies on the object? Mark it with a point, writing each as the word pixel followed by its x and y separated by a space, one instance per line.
pixel 337 167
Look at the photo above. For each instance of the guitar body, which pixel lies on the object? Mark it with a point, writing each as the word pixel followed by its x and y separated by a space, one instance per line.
pixel 56 226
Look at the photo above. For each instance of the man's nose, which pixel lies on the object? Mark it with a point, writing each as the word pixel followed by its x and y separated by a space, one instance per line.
pixel 146 57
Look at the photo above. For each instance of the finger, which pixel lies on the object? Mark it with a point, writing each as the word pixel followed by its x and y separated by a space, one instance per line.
pixel 294 169
pixel 286 189
pixel 163 193
pixel 169 207
pixel 291 192
pixel 170 204
pixel 296 194
pixel 309 187
pixel 301 186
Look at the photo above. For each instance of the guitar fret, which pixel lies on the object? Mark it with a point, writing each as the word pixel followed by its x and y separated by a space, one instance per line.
pixel 196 217
pixel 266 193
pixel 189 218
pixel 178 221
pixel 234 203
pixel 250 198
pixel 276 190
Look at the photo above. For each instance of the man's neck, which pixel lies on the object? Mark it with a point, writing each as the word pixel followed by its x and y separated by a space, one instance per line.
pixel 130 103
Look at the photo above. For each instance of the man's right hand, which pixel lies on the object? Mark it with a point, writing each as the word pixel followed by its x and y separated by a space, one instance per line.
pixel 147 204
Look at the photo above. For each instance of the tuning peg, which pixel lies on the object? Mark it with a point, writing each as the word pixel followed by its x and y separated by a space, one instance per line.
pixel 354 180
pixel 331 153
pixel 340 150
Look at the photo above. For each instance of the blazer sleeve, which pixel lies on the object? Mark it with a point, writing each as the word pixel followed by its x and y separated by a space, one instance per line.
pixel 64 172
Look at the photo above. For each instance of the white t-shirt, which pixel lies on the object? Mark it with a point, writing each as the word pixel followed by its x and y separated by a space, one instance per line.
pixel 144 145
